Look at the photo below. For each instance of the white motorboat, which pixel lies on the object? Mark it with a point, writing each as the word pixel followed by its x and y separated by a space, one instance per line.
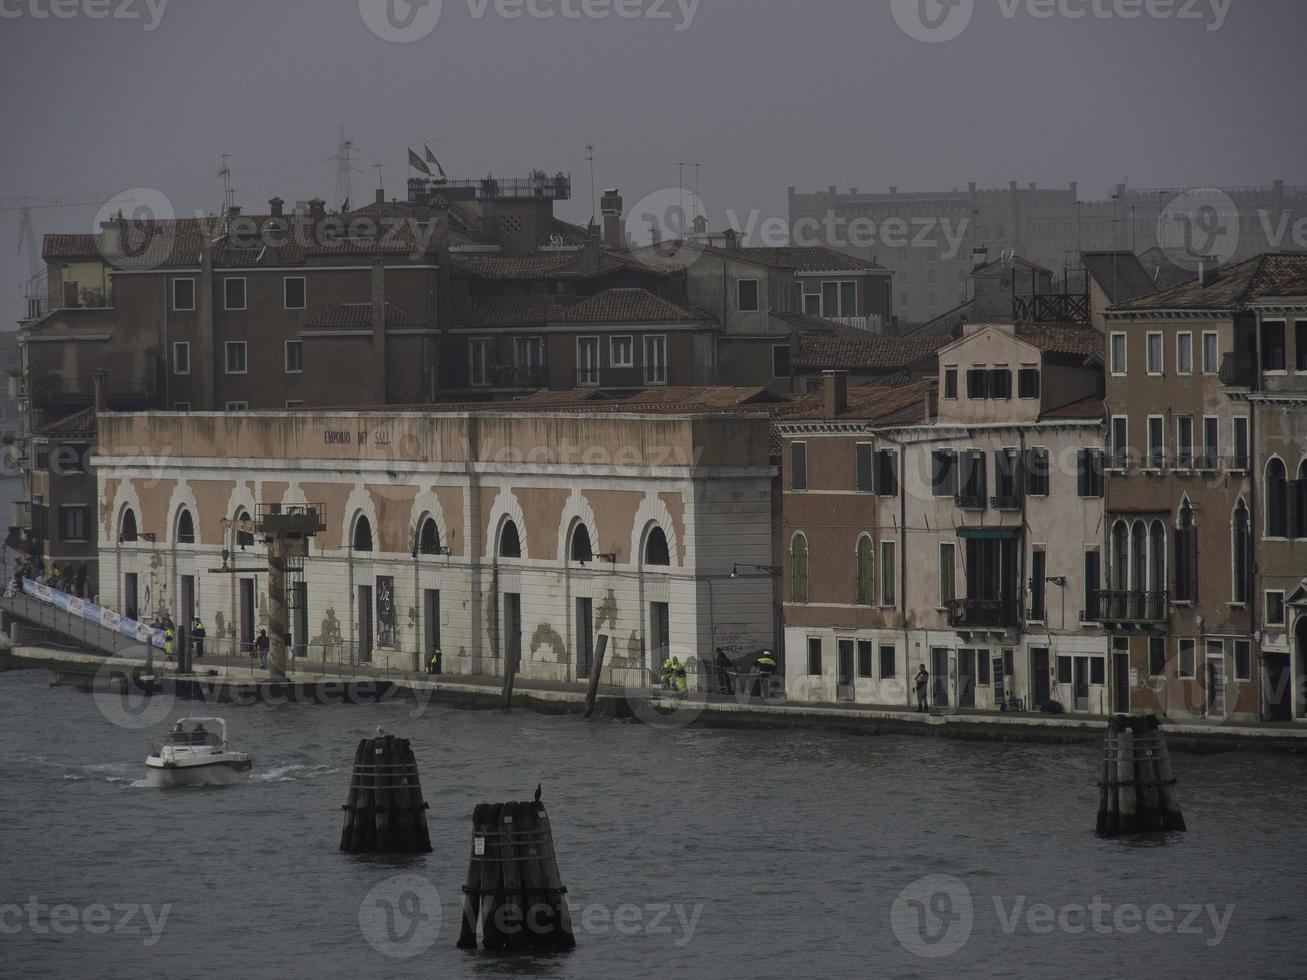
pixel 196 755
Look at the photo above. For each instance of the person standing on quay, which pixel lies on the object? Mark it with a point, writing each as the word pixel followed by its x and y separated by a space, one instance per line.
pixel 261 645
pixel 197 634
pixel 923 685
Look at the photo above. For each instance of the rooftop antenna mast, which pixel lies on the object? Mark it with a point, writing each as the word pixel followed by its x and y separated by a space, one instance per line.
pixel 381 186
pixel 680 190
pixel 590 156
pixel 344 167
pixel 228 194
pixel 697 199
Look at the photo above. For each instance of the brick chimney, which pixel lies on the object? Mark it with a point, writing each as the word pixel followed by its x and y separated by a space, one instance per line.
pixel 835 392
pixel 100 379
pixel 732 238
pixel 317 208
pixel 275 206
pixel 381 195
pixel 611 207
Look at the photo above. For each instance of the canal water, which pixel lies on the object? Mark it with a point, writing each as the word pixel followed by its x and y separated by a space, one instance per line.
pixel 689 853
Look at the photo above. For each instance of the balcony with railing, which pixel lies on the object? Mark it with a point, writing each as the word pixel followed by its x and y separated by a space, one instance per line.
pixel 1006 501
pixel 983 613
pixel 70 392
pixel 620 377
pixel 1128 607
pixel 1239 370
pixel 517 376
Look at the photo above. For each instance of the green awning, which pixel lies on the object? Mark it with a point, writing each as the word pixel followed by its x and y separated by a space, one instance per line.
pixel 988 533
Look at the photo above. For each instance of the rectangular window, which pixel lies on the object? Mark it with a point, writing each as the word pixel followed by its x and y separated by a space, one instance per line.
pixel 1211 352
pixel 814 655
pixel 1184 442
pixel 947 573
pixel 1273 352
pixel 865 662
pixel 887 473
pixel 1211 443
pixel 1184 353
pixel 780 361
pixel 1007 493
pixel 1064 670
pixel 1097 670
pixel 1000 384
pixel 1118 355
pixel 236 359
pixel 1156 442
pixel 944 473
pixel 1300 346
pixel 294 357
pixel 982 667
pixel 294 293
pixel 295 403
pixel 621 352
pixel 478 362
pixel 1120 442
pixel 587 362
pixel 1089 473
pixel 1154 354
pixel 746 295
pixel 1093 570
pixel 972 480
pixel 237 406
pixel 1038 468
pixel 233 293
pixel 1156 656
pixel 655 360
pixel 72 522
pixel 977 384
pixel 839 299
pixel 887 574
pixel 1038 585
pixel 812 304
pixel 1028 383
pixel 862 464
pixel 1185 662
pixel 1275 609
pixel 1239 435
pixel 1243 660
pixel 798 466
pixel 888 663
pixel 950 383
pixel 183 294
pixel 181 406
pixel 181 357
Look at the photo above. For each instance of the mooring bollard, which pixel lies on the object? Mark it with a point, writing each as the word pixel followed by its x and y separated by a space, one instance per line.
pixel 1136 792
pixel 385 812
pixel 514 891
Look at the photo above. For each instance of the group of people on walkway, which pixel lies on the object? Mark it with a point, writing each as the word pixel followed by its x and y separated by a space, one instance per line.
pixel 67 579
pixel 723 677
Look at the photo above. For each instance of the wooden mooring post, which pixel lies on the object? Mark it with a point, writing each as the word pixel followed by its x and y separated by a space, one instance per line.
pixel 514 892
pixel 596 671
pixel 385 812
pixel 1136 789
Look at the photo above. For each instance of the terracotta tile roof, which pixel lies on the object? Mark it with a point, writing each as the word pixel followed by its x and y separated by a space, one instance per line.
pixel 358 316
pixel 1054 338
pixel 903 404
pixel 514 266
pixel 513 311
pixel 1233 288
pixel 871 354
pixel 801 258
pixel 817 326
pixel 79 425
pixel 1120 275
pixel 1086 408
pixel 69 247
pixel 627 306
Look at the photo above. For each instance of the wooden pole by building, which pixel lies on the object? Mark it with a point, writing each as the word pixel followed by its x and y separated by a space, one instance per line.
pixel 277 607
pixel 596 669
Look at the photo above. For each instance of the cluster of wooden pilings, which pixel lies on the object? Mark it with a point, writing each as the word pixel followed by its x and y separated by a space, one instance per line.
pixel 514 892
pixel 1136 794
pixel 385 812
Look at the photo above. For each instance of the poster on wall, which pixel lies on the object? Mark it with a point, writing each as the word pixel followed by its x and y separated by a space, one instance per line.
pixel 385 611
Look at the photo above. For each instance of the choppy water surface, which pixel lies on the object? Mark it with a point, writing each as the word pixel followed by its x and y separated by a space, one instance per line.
pixel 690 853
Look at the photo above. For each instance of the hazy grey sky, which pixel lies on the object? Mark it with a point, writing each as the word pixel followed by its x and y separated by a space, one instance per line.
pixel 764 93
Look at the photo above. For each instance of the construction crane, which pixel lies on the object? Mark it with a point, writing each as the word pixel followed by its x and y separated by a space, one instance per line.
pixel 27 230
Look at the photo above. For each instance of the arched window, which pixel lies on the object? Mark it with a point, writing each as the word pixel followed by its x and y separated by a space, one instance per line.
pixel 581 550
pixel 799 569
pixel 1120 557
pixel 185 527
pixel 510 543
pixel 1241 549
pixel 127 528
pixel 1186 555
pixel 655 549
pixel 1298 503
pixel 429 537
pixel 362 534
pixel 866 561
pixel 1277 500
pixel 1139 556
pixel 244 539
pixel 1157 557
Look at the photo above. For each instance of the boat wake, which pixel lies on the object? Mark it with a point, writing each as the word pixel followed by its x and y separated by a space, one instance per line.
pixel 292 773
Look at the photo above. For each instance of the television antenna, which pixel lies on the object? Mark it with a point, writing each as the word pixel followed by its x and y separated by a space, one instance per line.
pixel 228 193
pixel 344 167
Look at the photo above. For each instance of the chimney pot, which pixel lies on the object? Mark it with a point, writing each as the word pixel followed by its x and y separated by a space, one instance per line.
pixel 234 211
pixel 611 205
pixel 317 208
pixel 100 380
pixel 381 195
pixel 276 206
pixel 836 392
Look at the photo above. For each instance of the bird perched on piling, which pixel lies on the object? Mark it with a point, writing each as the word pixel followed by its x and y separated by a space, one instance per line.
pixel 539 790
pixel 381 732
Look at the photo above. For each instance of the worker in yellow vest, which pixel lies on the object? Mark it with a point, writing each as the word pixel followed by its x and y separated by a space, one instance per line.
pixel 766 668
pixel 678 676
pixel 168 637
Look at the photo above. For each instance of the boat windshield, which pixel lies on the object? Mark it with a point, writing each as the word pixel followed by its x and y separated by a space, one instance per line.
pixel 192 738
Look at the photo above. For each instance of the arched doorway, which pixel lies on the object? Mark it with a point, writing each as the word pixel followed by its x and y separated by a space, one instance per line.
pixel 1300 658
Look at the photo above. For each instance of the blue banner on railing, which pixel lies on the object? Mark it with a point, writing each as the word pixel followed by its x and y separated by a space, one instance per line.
pixel 96 614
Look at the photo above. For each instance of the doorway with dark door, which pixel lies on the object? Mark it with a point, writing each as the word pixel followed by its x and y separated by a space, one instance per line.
pixel 966 678
pixel 844 683
pixel 247 616
pixel 1121 683
pixel 187 603
pixel 1038 677
pixel 430 627
pixel 660 634
pixel 1080 689
pixel 585 632
pixel 363 637
pixel 131 596
pixel 939 677
pixel 299 619
pixel 512 631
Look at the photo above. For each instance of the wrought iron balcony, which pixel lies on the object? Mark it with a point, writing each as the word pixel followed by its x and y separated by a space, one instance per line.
pixel 1007 501
pixel 1117 606
pixel 970 501
pixel 517 376
pixel 1239 370
pixel 983 613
